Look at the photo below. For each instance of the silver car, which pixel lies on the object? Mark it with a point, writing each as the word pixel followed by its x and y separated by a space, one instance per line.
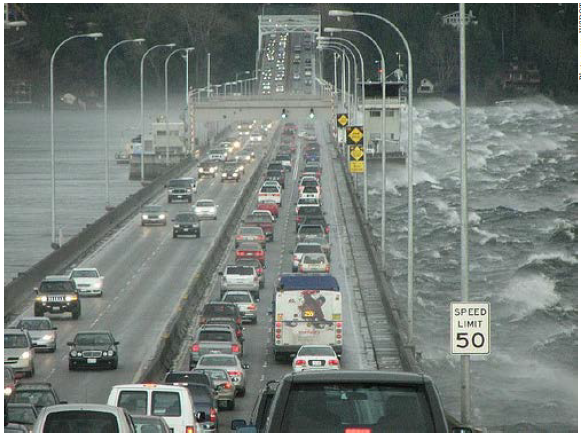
pixel 245 302
pixel 303 248
pixel 88 280
pixel 214 339
pixel 18 351
pixel 205 209
pixel 41 330
pixel 314 263
pixel 235 369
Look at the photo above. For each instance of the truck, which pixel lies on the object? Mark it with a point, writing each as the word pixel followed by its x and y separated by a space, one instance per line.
pixel 307 310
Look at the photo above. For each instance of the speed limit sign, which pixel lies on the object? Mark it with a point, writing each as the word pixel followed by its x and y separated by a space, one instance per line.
pixel 470 328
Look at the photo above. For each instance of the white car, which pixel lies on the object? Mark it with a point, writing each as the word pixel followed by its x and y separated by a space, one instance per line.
pixel 316 357
pixel 305 201
pixel 88 280
pixel 205 210
pixel 273 193
pixel 280 88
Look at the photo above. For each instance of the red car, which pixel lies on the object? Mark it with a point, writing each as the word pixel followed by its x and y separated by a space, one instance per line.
pixel 251 250
pixel 266 223
pixel 270 206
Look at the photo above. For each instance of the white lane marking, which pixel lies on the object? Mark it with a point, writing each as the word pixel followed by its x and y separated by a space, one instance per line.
pixel 52 371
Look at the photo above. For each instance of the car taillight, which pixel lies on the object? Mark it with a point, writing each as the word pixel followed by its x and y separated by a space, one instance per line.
pixel 239 253
pixel 213 415
pixel 190 429
pixel 259 270
pixel 234 373
pixel 252 307
pixel 327 229
pixel 300 362
pixel 239 237
pixel 357 430
pixel 195 348
pixel 228 386
pixel 261 238
pixel 235 348
pixel 333 362
pixel 295 257
pixel 260 253
pixel 238 333
pixel 339 324
pixel 239 320
pixel 327 268
pixel 301 269
pixel 278 324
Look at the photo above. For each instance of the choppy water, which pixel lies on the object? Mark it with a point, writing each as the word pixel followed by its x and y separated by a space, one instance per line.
pixel 523 255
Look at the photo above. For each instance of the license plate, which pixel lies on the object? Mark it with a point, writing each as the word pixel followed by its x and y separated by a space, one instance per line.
pixel 249 254
pixel 55 308
pixel 186 230
pixel 179 196
pixel 91 360
pixel 317 363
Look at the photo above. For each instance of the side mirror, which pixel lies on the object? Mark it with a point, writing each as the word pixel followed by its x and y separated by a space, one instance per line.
pixel 245 366
pixel 70 344
pixel 116 342
pixel 200 416
pixel 36 290
pixel 55 328
pixel 64 402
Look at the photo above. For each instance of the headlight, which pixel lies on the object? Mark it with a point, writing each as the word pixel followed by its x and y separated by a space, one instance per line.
pixel 176 226
pixel 25 355
pixel 47 337
pixel 235 174
pixel 241 168
pixel 110 352
pixel 224 174
pixel 144 217
pixel 161 217
pixel 42 298
pixel 7 391
pixel 212 170
pixel 74 353
pixel 247 158
pixel 70 298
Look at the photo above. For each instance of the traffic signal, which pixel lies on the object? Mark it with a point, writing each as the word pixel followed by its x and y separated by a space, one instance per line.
pixel 284 115
pixel 312 114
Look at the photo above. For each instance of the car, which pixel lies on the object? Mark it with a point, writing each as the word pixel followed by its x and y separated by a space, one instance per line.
pixel 83 418
pixel 41 330
pixel 318 221
pixel 304 201
pixel 18 352
pixel 251 250
pixel 230 171
pixel 206 209
pixel 277 176
pixel 205 402
pixel 246 155
pixel 186 223
pixel 153 214
pixel 275 166
pixel 314 263
pixel 92 349
pixel 218 154
pixel 89 281
pixel 39 394
pixel 315 357
pixel 257 267
pixel 214 339
pixel 245 302
pixel 351 400
pixel 225 391
pixel 301 249
pixel 270 193
pixel 310 192
pixel 220 312
pixel 237 277
pixel 208 168
pixel 150 424
pixel 57 294
pixel 9 381
pixel 249 234
pixel 270 206
pixel 174 403
pixel 305 212
pixel 265 222
pixel 181 189
pixel 314 233
pixel 21 413
pixel 311 182
pixel 285 160
pixel 229 362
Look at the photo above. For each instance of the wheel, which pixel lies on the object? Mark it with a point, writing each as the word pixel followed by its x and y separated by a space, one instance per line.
pixel 175 236
pixel 169 199
pixel 114 364
pixel 71 366
pixel 30 373
pixel 198 235
pixel 231 405
pixel 189 199
pixel 52 350
pixel 242 392
pixel 254 321
pixel 76 313
pixel 38 312
pixel 278 357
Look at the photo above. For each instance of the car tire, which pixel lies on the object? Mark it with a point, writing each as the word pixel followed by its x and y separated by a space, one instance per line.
pixel 189 199
pixel 114 364
pixel 254 321
pixel 38 312
pixel 175 236
pixel 72 366
pixel 242 392
pixel 279 357
pixel 169 199
pixel 77 313
pixel 231 404
pixel 198 235
pixel 52 350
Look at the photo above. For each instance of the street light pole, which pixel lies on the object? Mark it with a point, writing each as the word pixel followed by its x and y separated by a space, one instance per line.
pixel 188 115
pixel 410 166
pixel 106 113
pixel 383 220
pixel 142 113
pixel 52 151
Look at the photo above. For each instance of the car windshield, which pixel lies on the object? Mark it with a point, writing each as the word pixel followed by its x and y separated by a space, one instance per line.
pixel 316 351
pixel 310 190
pixel 238 298
pixel 84 273
pixel 152 209
pixel 83 339
pixel 215 335
pixel 15 341
pixel 185 217
pixel 21 415
pixel 239 271
pixel 209 360
pixel 37 398
pixel 341 407
pixel 81 421
pixel 205 204
pixel 180 183
pixel 251 231
pixel 64 286
pixel 34 324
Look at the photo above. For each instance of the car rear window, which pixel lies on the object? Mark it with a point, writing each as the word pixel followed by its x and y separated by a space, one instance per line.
pixel 308 249
pixel 34 324
pixel 166 404
pixel 216 335
pixel 240 270
pixel 340 407
pixel 310 190
pixel 269 189
pixel 191 377
pixel 84 273
pixel 135 402
pixel 40 398
pixel 310 230
pixel 204 204
pixel 209 360
pixel 77 421
pixel 316 351
pixel 219 310
pixel 251 231
pixel 238 298
pixel 313 259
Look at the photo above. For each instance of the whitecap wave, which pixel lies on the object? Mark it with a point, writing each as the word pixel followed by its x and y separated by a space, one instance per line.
pixel 528 293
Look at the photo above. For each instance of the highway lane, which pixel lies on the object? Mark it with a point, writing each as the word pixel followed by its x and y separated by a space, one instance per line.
pixel 258 338
pixel 146 271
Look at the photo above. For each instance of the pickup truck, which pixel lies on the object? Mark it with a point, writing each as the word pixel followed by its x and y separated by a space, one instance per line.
pixel 348 401
pixel 305 212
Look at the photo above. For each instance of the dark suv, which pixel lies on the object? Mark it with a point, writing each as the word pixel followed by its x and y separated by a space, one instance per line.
pixel 220 311
pixel 57 294
pixel 91 349
pixel 186 223
pixel 230 171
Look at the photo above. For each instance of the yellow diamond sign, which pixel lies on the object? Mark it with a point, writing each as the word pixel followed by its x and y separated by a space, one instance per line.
pixel 356 153
pixel 342 120
pixel 354 134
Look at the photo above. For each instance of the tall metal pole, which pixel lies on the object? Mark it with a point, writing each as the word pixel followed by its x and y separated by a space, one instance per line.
pixel 340 46
pixel 465 359
pixel 106 114
pixel 54 244
pixel 335 72
pixel 142 113
pixel 208 82
pixel 343 81
pixel 167 104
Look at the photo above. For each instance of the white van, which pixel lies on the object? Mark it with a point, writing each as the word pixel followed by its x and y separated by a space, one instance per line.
pixel 174 403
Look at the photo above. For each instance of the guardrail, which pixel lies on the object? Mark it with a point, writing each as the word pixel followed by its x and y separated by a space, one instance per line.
pixel 19 292
pixel 174 334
